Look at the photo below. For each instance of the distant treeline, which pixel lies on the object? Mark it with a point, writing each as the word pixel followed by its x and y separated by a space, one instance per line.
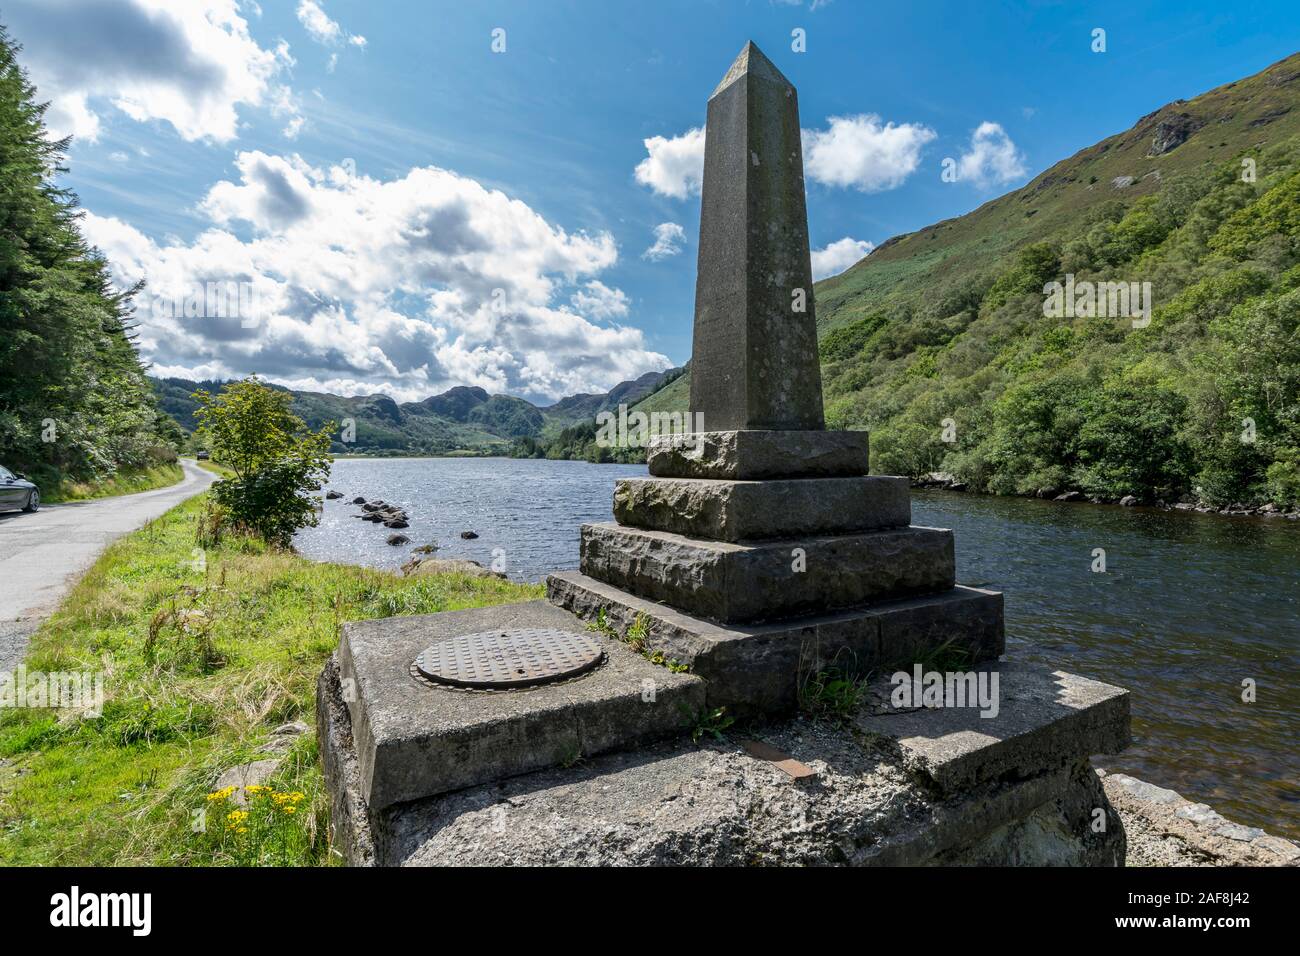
pixel 74 401
pixel 575 443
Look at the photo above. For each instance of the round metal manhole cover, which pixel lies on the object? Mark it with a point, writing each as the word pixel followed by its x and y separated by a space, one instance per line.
pixel 517 658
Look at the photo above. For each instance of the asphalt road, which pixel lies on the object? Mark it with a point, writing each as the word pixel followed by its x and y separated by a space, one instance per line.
pixel 43 554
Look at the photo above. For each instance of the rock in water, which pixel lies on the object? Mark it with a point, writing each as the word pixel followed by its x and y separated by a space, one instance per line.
pixel 333 495
pixel 396 539
pixel 755 363
pixel 468 535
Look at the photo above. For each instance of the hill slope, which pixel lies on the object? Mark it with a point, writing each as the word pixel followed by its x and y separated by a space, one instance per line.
pixel 941 333
pixel 461 419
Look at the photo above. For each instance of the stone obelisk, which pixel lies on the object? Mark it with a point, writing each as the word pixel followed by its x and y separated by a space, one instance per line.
pixel 761 549
pixel 755 363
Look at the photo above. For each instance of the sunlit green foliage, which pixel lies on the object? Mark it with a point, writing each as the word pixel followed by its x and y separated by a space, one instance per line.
pixel 74 402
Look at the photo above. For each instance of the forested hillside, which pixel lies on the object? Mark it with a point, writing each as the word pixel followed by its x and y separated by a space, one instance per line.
pixel 938 342
pixel 74 402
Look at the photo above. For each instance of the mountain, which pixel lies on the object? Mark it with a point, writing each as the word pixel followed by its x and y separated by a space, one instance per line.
pixel 588 406
pixel 941 344
pixel 461 419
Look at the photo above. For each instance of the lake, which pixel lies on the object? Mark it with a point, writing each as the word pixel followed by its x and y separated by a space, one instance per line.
pixel 1188 608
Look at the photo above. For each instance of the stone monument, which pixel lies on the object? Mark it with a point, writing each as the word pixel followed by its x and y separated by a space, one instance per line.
pixel 761 551
pixel 758 558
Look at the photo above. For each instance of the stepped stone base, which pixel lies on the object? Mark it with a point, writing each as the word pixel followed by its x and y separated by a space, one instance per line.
pixel 1043 718
pixel 756 669
pixel 767 580
pixel 748 455
pixel 740 510
pixel 674 803
pixel 413 739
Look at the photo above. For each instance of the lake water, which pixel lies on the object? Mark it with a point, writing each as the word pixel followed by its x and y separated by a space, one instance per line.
pixel 1188 608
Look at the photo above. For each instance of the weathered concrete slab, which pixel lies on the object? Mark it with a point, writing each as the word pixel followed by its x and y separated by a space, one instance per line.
pixel 754 361
pixel 760 669
pixel 766 580
pixel 751 510
pixel 413 740
pixel 1040 718
pixel 1166 829
pixel 755 454
pixel 673 803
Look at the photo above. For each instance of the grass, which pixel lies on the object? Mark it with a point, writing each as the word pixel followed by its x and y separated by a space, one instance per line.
pixel 123 483
pixel 637 638
pixel 832 694
pixel 202 654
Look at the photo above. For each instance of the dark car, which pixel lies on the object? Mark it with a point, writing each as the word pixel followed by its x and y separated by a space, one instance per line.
pixel 16 492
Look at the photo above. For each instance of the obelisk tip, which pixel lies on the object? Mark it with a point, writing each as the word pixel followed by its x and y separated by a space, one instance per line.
pixel 752 62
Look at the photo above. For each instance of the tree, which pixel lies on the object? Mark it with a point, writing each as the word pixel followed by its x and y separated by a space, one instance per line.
pixel 74 401
pixel 276 460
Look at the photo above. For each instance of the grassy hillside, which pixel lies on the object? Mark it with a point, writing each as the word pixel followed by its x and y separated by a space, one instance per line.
pixel 941 334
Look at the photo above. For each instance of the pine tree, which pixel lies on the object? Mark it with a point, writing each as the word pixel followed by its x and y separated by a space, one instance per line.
pixel 74 400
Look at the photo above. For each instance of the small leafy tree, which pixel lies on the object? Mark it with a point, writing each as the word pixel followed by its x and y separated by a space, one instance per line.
pixel 277 462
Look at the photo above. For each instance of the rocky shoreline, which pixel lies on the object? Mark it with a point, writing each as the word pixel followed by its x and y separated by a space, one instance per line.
pixel 1164 828
pixel 943 481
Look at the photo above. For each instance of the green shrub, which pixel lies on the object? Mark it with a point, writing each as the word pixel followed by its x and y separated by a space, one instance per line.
pixel 277 463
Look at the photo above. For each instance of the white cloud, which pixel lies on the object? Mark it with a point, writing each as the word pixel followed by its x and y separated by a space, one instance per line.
pixel 317 23
pixel 600 301
pixel 838 256
pixel 863 153
pixel 407 285
pixel 853 151
pixel 192 65
pixel 668 241
pixel 321 28
pixel 675 167
pixel 992 157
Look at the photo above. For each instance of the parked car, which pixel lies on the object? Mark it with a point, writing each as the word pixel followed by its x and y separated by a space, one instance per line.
pixel 17 493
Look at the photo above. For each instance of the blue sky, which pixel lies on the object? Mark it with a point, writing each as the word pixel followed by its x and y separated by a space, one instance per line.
pixel 415 210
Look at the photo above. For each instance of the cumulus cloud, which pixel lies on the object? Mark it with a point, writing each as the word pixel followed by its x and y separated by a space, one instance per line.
pixel 408 285
pixel 859 152
pixel 600 301
pixel 837 256
pixel 991 159
pixel 863 153
pixel 321 28
pixel 192 65
pixel 674 167
pixel 668 241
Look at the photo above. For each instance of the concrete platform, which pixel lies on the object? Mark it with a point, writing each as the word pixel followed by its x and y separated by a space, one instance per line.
pixel 750 454
pixel 755 669
pixel 1043 717
pixel 675 803
pixel 768 580
pixel 414 740
pixel 747 510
